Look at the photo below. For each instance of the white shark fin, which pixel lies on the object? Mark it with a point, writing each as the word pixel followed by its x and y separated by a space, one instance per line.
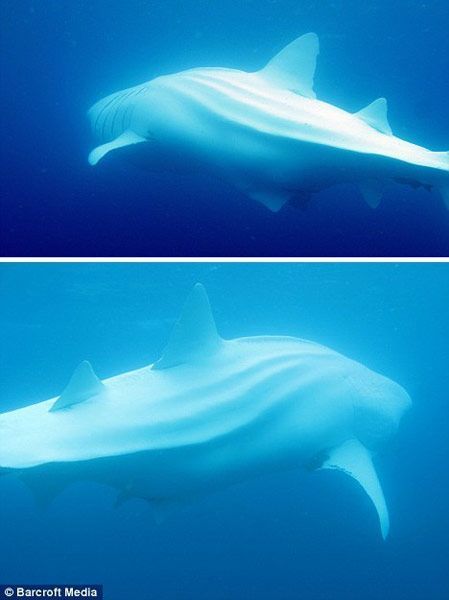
pixel 127 138
pixel 82 385
pixel 355 460
pixel 372 191
pixel 294 67
pixel 375 114
pixel 194 335
pixel 44 492
pixel 273 201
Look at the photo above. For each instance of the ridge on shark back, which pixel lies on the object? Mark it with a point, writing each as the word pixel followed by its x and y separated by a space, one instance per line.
pixel 208 414
pixel 265 132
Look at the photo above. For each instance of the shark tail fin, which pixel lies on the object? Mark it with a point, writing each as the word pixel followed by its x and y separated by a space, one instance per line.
pixel 355 460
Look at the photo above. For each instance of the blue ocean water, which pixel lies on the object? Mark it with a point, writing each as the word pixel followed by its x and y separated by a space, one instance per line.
pixel 287 536
pixel 58 57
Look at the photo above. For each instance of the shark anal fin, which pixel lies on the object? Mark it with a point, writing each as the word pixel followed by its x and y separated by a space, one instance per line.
pixel 294 67
pixel 127 138
pixel 194 334
pixel 355 460
pixel 375 114
pixel 82 385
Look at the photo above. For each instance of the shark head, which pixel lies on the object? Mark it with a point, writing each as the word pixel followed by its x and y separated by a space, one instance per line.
pixel 378 410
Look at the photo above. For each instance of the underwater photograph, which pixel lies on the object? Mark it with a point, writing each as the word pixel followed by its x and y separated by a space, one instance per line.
pixel 211 128
pixel 225 431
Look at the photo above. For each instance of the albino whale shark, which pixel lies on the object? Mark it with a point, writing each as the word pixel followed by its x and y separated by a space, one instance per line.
pixel 265 132
pixel 208 414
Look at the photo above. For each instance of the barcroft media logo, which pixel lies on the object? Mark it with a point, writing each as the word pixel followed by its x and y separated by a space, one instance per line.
pixel 51 591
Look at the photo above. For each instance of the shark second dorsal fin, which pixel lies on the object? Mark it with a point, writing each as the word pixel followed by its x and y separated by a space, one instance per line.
pixel 294 67
pixel 355 460
pixel 194 335
pixel 375 114
pixel 82 385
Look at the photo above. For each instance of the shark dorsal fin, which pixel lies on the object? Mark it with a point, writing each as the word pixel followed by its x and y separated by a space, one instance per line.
pixel 194 335
pixel 375 114
pixel 82 385
pixel 294 67
pixel 355 460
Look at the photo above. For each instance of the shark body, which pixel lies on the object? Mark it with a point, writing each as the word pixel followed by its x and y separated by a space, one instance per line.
pixel 208 414
pixel 265 132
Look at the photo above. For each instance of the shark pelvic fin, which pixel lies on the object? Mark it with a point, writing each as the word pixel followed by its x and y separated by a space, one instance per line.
pixel 194 335
pixel 43 492
pixel 372 191
pixel 355 460
pixel 82 385
pixel 274 201
pixel 294 67
pixel 127 138
pixel 375 114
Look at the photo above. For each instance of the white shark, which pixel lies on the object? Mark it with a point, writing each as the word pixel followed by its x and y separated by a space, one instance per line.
pixel 265 132
pixel 208 414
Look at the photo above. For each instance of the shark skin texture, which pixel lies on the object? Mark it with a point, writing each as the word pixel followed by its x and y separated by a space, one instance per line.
pixel 210 413
pixel 264 132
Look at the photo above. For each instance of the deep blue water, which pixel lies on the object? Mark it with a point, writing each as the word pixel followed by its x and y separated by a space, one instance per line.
pixel 58 57
pixel 288 536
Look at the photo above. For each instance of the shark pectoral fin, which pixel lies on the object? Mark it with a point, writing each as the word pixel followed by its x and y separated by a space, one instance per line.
pixel 372 192
pixel 375 114
pixel 82 385
pixel 194 334
pixel 355 460
pixel 127 138
pixel 294 67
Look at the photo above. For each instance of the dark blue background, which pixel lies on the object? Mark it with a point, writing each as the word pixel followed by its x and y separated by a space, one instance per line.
pixel 59 56
pixel 290 536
